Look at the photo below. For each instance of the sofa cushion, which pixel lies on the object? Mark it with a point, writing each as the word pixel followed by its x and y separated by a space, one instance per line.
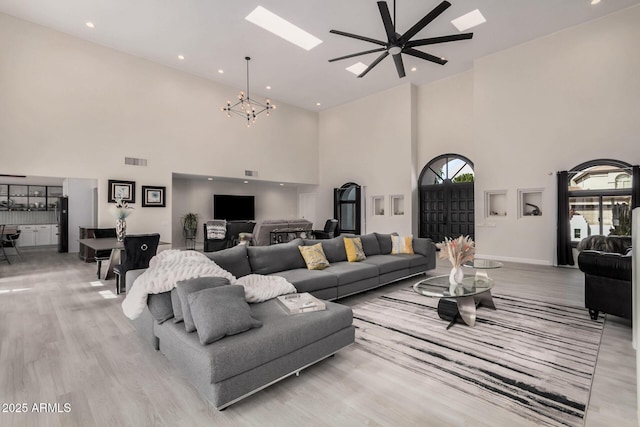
pixel 384 240
pixel 280 334
pixel 401 244
pixel 370 244
pixel 333 248
pixel 160 306
pixel 415 260
pixel 186 287
pixel 234 260
pixel 388 263
pixel 314 257
pixel 221 311
pixel 309 280
pixel 177 306
pixel 353 248
pixel 274 258
pixel 349 272
pixel 423 246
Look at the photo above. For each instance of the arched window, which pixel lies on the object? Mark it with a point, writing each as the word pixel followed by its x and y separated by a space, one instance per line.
pixel 447 168
pixel 347 208
pixel 600 199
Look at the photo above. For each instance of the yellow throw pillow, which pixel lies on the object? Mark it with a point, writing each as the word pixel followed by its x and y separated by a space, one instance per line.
pixel 401 244
pixel 353 246
pixel 314 257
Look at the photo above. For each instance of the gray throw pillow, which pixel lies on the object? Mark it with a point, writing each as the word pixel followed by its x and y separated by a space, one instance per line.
pixel 190 286
pixel 177 307
pixel 218 312
pixel 160 306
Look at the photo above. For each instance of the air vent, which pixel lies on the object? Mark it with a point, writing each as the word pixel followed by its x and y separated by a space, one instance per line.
pixel 135 162
pixel 250 173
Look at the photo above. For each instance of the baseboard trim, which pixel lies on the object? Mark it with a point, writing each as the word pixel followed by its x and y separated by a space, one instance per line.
pixel 514 259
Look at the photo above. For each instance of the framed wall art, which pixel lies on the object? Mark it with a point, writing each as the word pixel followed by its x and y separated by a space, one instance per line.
pixel 125 190
pixel 153 197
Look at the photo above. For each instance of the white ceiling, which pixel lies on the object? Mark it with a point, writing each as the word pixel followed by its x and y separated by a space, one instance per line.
pixel 213 34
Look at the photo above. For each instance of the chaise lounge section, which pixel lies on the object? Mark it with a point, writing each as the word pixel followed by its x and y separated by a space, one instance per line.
pixel 236 366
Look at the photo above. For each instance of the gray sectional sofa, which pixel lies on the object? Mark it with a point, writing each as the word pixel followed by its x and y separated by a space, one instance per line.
pixel 228 370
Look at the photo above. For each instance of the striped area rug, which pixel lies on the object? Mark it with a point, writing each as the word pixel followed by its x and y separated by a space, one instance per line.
pixel 533 358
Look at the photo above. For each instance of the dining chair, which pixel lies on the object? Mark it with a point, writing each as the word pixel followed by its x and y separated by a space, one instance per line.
pixel 138 251
pixel 105 255
pixel 4 253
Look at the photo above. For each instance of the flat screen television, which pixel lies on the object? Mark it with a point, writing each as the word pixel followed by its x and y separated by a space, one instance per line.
pixel 234 208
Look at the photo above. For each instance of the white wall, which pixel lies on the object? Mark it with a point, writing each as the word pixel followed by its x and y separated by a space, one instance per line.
pixel 369 142
pixel 272 201
pixel 81 207
pixel 71 108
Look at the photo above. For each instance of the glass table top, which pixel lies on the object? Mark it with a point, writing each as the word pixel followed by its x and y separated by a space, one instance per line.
pixel 438 287
pixel 483 264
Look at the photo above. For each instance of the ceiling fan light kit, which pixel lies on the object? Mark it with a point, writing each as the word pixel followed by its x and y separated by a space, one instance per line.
pixel 397 44
pixel 247 107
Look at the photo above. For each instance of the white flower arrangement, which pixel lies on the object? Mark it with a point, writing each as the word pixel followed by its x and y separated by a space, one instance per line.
pixel 121 209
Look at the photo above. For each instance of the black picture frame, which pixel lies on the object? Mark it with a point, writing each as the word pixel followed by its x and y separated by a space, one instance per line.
pixel 153 196
pixel 125 190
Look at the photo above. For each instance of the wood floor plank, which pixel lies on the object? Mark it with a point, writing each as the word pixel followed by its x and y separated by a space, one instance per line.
pixel 62 342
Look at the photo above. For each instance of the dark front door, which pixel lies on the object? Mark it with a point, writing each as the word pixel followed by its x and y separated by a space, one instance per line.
pixel 447 210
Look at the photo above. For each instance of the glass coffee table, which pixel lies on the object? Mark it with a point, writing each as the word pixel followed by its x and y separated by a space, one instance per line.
pixel 460 302
pixel 483 264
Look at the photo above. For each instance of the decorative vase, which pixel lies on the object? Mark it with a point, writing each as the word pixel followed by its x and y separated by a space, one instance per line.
pixel 121 229
pixel 455 278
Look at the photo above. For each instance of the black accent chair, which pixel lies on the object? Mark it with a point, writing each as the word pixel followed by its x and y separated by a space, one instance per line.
pixel 607 277
pixel 329 231
pixel 231 237
pixel 101 233
pixel 138 251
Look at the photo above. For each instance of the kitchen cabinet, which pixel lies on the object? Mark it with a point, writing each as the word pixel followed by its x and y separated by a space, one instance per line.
pixel 29 197
pixel 37 235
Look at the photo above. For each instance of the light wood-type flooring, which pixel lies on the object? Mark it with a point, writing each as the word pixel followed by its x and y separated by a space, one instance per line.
pixel 64 340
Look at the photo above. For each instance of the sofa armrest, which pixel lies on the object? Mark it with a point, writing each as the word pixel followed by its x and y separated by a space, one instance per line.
pixel 131 277
pixel 423 246
pixel 606 264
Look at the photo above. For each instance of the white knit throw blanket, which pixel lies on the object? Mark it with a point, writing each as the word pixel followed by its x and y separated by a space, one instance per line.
pixel 171 266
pixel 165 270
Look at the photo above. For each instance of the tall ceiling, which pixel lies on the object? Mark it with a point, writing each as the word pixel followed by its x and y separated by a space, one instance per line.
pixel 213 35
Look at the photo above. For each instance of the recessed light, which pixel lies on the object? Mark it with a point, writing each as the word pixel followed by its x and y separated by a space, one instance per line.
pixel 357 68
pixel 209 179
pixel 90 24
pixel 181 57
pixel 246 182
pixel 268 87
pixel 220 71
pixel 282 28
pixel 318 104
pixel 414 68
pixel 469 20
pixel 281 184
pixel 595 1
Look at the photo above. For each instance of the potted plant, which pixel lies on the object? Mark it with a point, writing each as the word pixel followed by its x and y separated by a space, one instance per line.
pixel 189 225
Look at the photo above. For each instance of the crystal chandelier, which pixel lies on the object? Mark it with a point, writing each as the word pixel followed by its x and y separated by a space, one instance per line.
pixel 247 107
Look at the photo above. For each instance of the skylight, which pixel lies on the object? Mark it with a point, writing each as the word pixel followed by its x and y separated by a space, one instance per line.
pixel 357 68
pixel 282 28
pixel 469 20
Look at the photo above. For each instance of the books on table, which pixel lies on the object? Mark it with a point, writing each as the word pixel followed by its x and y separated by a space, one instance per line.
pixel 301 303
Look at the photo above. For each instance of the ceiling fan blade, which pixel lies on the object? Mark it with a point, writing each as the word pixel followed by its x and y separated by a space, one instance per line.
pixel 422 55
pixel 399 65
pixel 436 40
pixel 386 20
pixel 424 21
pixel 355 36
pixel 380 49
pixel 374 63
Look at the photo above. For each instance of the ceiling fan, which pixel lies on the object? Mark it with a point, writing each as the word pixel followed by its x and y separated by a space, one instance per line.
pixel 397 44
